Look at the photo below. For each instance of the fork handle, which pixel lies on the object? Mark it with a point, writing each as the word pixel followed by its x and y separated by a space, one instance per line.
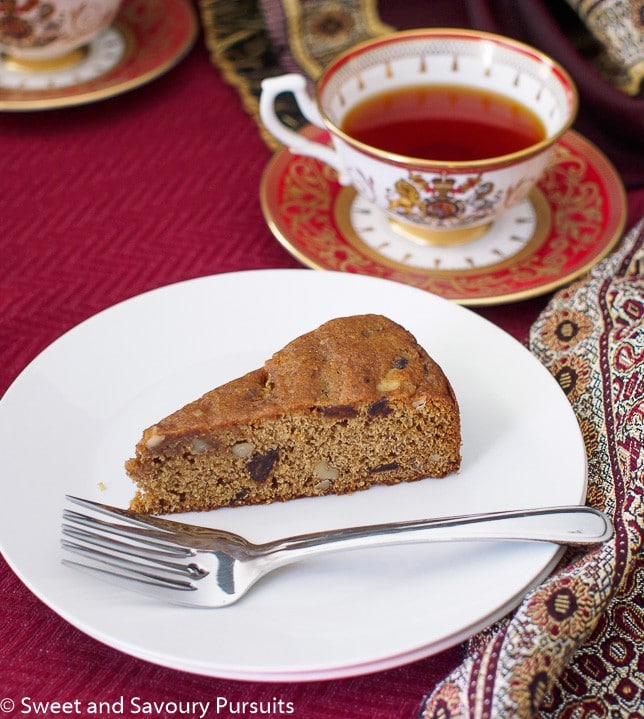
pixel 574 525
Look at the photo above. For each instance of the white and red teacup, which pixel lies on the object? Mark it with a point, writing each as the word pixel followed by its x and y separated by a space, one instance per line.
pixel 441 129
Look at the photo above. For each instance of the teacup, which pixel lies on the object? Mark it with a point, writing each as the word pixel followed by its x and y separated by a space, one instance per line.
pixel 437 192
pixel 46 34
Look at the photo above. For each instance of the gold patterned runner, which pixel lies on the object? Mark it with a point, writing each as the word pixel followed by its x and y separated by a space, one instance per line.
pixel 618 28
pixel 249 40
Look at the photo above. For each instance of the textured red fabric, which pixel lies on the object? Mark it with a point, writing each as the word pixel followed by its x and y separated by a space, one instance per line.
pixel 98 204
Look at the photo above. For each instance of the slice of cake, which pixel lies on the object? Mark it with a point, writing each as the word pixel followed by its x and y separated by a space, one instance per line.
pixel 354 403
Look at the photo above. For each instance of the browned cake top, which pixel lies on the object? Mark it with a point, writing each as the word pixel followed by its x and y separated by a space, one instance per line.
pixel 347 361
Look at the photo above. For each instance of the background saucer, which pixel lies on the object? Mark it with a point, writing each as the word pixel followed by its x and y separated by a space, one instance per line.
pixel 146 40
pixel 571 220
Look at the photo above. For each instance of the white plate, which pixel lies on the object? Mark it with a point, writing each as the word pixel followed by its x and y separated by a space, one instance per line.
pixel 73 416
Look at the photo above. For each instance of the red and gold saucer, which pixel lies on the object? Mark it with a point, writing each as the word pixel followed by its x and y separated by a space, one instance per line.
pixel 570 221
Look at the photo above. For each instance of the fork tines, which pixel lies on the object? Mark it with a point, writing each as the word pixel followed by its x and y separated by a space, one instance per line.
pixel 128 550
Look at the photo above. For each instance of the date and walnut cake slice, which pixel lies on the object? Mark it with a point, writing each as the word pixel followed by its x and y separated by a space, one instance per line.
pixel 354 403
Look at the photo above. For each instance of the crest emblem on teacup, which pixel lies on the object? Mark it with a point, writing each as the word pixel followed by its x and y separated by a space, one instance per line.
pixel 442 198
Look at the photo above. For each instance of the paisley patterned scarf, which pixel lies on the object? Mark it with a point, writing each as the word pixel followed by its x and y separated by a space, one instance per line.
pixel 575 646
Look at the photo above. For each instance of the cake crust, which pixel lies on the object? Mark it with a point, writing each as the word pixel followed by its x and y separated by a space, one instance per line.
pixel 354 403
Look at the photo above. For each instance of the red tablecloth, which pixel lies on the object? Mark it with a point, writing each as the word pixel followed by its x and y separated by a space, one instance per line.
pixel 98 204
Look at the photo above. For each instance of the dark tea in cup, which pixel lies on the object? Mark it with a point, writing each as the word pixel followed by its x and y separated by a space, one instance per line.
pixel 444 123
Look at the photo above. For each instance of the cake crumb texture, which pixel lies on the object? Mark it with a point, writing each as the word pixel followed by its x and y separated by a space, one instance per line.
pixel 354 403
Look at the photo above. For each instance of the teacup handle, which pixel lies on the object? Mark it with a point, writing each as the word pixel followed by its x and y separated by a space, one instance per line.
pixel 297 143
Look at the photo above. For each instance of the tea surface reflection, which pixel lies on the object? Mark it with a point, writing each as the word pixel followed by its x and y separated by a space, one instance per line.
pixel 444 123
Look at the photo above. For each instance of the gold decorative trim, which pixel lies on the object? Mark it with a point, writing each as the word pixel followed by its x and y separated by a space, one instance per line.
pixel 460 37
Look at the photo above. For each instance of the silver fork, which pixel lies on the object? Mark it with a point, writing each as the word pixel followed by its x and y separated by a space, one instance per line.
pixel 187 564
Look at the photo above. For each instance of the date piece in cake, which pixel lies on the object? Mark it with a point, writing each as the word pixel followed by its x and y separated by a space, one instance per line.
pixel 354 403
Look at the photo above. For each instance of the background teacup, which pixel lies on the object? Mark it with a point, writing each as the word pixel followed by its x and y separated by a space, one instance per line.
pixel 39 34
pixel 433 194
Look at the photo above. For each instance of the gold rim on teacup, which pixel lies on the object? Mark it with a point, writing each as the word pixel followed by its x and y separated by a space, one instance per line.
pixel 448 33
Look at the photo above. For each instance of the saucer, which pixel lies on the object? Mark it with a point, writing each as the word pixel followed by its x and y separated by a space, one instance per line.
pixel 145 40
pixel 570 221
